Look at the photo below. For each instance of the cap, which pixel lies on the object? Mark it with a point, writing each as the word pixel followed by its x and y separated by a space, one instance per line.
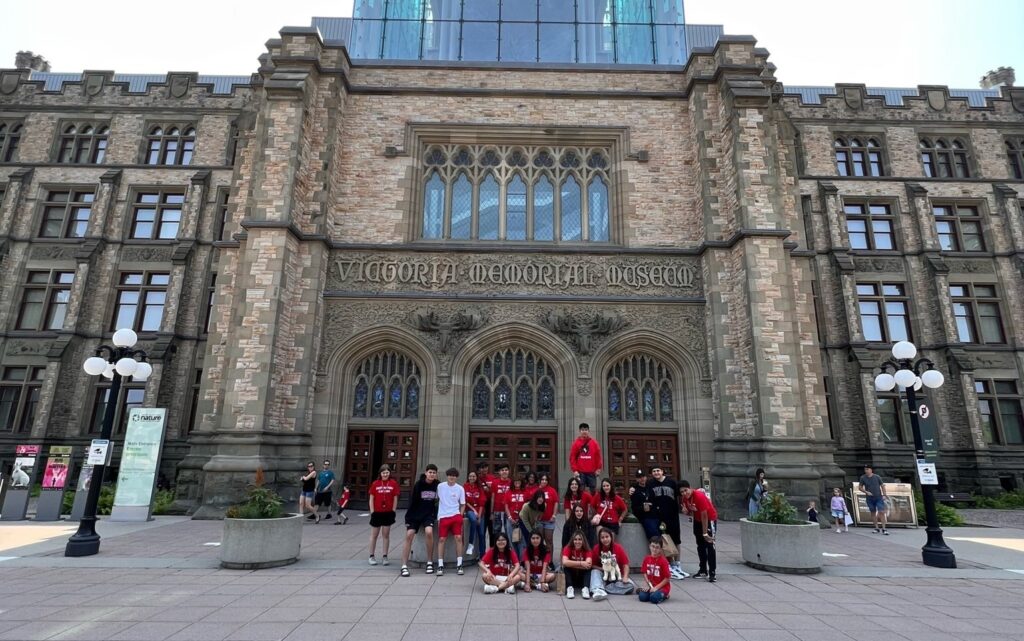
pixel 640 473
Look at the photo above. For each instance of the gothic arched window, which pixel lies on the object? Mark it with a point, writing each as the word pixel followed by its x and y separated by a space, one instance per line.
pixel 640 390
pixel 513 385
pixel 386 385
pixel 516 194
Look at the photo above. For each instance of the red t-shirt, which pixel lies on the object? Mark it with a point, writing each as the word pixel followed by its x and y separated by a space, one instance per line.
pixel 487 481
pixel 535 564
pixel 616 507
pixel 530 490
pixel 571 553
pixel 500 493
pixel 476 496
pixel 656 570
pixel 345 495
pixel 515 501
pixel 584 500
pixel 620 555
pixel 500 565
pixel 699 502
pixel 550 503
pixel 384 494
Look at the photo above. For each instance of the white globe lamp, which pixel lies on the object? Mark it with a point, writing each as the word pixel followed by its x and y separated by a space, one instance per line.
pixel 933 379
pixel 884 382
pixel 108 371
pixel 905 378
pixel 94 365
pixel 904 350
pixel 125 337
pixel 126 366
pixel 142 372
pixel 917 384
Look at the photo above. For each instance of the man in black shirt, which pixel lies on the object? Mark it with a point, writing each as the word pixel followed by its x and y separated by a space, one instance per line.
pixel 641 503
pixel 666 501
pixel 422 512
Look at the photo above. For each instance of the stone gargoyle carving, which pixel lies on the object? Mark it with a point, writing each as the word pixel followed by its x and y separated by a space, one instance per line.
pixel 463 321
pixel 582 332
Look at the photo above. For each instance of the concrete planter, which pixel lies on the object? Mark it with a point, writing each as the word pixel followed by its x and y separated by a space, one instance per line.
pixel 633 540
pixel 255 544
pixel 789 549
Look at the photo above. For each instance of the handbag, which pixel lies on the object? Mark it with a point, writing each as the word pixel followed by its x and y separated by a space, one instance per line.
pixel 669 546
pixel 848 519
pixel 560 582
pixel 517 533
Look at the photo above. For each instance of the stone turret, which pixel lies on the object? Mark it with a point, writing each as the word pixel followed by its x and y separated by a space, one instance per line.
pixel 1001 77
pixel 29 60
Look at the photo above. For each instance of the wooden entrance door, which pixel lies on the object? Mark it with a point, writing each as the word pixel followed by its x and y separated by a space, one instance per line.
pixel 524 452
pixel 629 452
pixel 368 449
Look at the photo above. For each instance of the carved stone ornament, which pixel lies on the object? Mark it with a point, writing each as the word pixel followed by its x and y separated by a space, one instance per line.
pixel 865 264
pixel 463 321
pixel 93 84
pixel 179 86
pixel 937 100
pixel 582 332
pixel 854 99
pixel 966 266
pixel 444 384
pixel 9 83
pixel 584 386
pixel 17 346
pixel 54 252
pixel 146 254
pixel 1017 99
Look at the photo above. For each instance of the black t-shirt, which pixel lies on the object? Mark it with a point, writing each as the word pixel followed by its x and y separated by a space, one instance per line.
pixel 424 500
pixel 871 484
pixel 666 497
pixel 640 496
pixel 308 485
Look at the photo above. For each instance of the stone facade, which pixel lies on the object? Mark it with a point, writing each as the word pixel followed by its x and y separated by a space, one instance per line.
pixel 729 263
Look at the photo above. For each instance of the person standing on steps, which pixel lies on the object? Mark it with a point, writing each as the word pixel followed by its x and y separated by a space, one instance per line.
pixel 585 458
pixel 476 499
pixel 871 484
pixel 451 507
pixel 383 498
pixel 325 490
pixel 500 491
pixel 666 503
pixel 641 502
pixel 486 480
pixel 422 513
pixel 308 492
pixel 705 523
pixel 547 521
pixel 608 508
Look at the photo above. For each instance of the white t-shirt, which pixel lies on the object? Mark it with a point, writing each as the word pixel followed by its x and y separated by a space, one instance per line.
pixel 449 498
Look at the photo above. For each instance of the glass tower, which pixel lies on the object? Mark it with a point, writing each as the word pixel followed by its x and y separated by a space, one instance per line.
pixel 528 31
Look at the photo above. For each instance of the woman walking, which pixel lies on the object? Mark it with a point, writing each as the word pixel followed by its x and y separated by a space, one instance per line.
pixel 308 492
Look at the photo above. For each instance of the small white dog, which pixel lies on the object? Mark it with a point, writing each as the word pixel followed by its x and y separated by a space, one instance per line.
pixel 610 567
pixel 18 477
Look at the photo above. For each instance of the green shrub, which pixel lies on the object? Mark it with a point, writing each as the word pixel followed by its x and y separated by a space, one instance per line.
pixel 260 502
pixel 776 509
pixel 68 502
pixel 162 501
pixel 106 502
pixel 948 516
pixel 1005 501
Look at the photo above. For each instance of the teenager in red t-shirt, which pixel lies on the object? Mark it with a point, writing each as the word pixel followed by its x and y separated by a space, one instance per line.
pixel 606 545
pixel 656 585
pixel 575 495
pixel 608 507
pixel 530 484
pixel 342 504
pixel 577 565
pixel 383 498
pixel 705 517
pixel 499 499
pixel 537 563
pixel 547 522
pixel 499 568
pixel 476 500
pixel 486 480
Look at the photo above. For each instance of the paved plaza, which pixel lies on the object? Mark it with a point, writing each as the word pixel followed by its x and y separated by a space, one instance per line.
pixel 161 580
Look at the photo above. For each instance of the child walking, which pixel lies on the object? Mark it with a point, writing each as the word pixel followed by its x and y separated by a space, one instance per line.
pixel 838 509
pixel 342 504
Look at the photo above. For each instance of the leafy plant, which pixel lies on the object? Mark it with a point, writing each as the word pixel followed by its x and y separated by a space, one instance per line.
pixel 106 501
pixel 948 516
pixel 1005 501
pixel 260 503
pixel 162 501
pixel 776 509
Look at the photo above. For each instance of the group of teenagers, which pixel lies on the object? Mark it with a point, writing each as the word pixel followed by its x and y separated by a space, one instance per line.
pixel 518 516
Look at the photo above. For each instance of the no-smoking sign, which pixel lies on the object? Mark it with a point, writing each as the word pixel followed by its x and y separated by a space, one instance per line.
pixel 924 411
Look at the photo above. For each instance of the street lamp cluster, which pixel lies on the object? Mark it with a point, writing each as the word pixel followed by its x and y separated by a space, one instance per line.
pixel 911 375
pixel 113 363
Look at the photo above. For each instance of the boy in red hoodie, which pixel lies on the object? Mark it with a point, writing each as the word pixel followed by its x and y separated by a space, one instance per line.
pixel 585 458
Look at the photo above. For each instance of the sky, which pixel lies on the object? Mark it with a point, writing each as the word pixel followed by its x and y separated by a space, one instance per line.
pixel 887 43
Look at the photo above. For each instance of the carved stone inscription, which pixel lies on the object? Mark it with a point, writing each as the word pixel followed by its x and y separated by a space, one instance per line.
pixel 640 275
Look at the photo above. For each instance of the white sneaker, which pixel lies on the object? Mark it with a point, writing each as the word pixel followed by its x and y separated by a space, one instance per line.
pixel 469 550
pixel 490 589
pixel 510 589
pixel 838 531
pixel 600 595
pixel 586 593
pixel 570 593
pixel 373 561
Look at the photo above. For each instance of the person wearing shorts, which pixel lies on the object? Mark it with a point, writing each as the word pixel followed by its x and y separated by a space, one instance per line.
pixel 324 496
pixel 871 484
pixel 422 513
pixel 383 498
pixel 308 492
pixel 451 509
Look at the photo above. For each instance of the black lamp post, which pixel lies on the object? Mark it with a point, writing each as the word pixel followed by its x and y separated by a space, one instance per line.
pixel 910 375
pixel 114 363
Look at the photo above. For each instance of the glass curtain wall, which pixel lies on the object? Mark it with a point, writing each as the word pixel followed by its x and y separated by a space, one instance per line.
pixel 567 31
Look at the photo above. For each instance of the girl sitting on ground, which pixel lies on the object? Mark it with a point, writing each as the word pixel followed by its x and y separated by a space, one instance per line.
pixel 537 563
pixel 499 568
pixel 577 565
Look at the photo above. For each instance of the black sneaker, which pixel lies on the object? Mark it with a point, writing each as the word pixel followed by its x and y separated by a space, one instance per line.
pixel 430 568
pixel 701 575
pixel 440 570
pixel 459 571
pixel 711 578
pixel 885 532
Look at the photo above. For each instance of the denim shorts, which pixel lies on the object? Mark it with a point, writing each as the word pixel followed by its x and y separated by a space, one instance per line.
pixel 876 504
pixel 837 514
pixel 308 495
pixel 548 525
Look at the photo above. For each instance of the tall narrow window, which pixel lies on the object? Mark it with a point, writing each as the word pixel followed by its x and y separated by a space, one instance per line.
pixel 891 417
pixel 597 201
pixel 83 144
pixel 945 158
pixel 513 385
pixel 884 315
pixel 959 228
pixel 489 197
pixel 10 138
pixel 193 414
pixel 140 301
pixel 386 385
pixel 515 209
pixel 44 301
pixel 211 293
pixel 977 314
pixel 1015 155
pixel 170 145
pixel 858 157
pixel 66 214
pixel 543 209
pixel 999 403
pixel 19 397
pixel 462 208
pixel 640 388
pixel 129 398
pixel 157 215
pixel 433 207
pixel 570 202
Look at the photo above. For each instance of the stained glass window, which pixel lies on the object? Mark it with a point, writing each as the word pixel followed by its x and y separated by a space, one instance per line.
pixel 513 385
pixel 386 385
pixel 640 388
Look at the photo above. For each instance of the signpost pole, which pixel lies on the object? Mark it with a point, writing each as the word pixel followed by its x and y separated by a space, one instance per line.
pixel 935 551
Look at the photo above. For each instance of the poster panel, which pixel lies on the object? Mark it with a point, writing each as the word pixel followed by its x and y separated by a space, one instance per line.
pixel 140 461
pixel 55 475
pixel 899 504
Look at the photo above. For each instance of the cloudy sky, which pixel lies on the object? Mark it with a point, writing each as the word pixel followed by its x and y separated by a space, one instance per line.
pixel 893 43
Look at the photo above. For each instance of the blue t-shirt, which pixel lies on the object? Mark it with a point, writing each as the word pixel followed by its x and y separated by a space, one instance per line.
pixel 323 478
